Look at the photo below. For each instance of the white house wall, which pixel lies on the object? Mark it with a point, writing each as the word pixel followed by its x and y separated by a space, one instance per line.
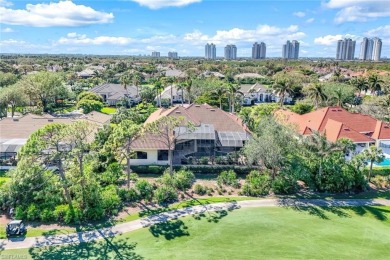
pixel 152 159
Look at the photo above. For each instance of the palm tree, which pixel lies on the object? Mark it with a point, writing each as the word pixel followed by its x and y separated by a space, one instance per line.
pixel 373 154
pixel 181 87
pixel 338 97
pixel 232 90
pixel 158 87
pixel 137 79
pixel 125 80
pixel 374 82
pixel 188 85
pixel 220 92
pixel 360 84
pixel 283 87
pixel 321 147
pixel 337 74
pixel 316 93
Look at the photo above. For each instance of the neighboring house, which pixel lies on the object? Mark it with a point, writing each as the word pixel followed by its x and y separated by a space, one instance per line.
pixel 216 74
pixel 116 93
pixel 178 96
pixel 216 133
pixel 248 75
pixel 337 123
pixel 175 73
pixel 255 93
pixel 14 132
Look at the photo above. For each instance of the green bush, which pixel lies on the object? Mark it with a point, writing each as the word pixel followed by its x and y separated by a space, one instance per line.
pixel 145 190
pixel 111 175
pixel 383 171
pixel 47 215
pixel 60 212
pixel 204 160
pixel 130 195
pixel 165 194
pixel 228 178
pixel 196 169
pixel 183 179
pixel 20 213
pixel 283 184
pixel 33 212
pixel 199 189
pixel 381 182
pixel 110 200
pixel 256 184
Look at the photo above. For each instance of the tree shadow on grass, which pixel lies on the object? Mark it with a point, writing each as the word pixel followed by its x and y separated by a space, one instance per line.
pixel 211 216
pixel 170 229
pixel 340 208
pixel 378 213
pixel 107 249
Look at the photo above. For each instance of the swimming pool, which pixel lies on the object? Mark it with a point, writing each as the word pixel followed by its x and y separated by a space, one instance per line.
pixel 386 162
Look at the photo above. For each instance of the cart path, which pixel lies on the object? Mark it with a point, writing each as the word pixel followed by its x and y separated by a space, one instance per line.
pixel 56 240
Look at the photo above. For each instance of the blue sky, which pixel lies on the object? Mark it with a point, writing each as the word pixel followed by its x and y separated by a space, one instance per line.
pixel 132 27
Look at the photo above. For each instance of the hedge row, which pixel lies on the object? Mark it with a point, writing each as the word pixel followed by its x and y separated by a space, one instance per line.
pixel 383 171
pixel 198 169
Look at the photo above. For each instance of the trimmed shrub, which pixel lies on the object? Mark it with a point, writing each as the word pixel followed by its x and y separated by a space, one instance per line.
pixel 20 213
pixel 111 175
pixel 183 179
pixel 33 212
pixel 110 200
pixel 284 185
pixel 130 195
pixel 165 194
pixel 381 182
pixel 199 189
pixel 47 215
pixel 145 190
pixel 60 212
pixel 228 178
pixel 256 184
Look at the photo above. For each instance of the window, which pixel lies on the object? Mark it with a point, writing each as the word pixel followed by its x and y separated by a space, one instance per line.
pixel 142 155
pixel 162 155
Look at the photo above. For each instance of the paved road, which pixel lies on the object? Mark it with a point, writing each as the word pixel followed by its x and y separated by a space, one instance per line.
pixel 18 243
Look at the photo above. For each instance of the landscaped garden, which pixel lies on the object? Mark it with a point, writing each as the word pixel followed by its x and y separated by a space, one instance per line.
pixel 250 233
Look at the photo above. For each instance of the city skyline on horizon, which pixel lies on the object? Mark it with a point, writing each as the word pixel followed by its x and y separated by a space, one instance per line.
pixel 138 27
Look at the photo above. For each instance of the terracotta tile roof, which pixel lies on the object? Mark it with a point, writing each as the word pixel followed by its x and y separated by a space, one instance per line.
pixel 196 114
pixel 335 130
pixel 382 130
pixel 337 123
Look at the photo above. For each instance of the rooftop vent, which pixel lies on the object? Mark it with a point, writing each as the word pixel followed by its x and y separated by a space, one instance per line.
pixel 50 120
pixel 197 105
pixel 212 109
pixel 386 126
pixel 178 112
pixel 16 119
pixel 346 129
pixel 339 110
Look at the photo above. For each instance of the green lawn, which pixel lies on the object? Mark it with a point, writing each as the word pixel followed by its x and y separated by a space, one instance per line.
pixel 250 233
pixel 108 110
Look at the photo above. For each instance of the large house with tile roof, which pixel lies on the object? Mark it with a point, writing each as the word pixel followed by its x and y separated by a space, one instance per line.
pixel 14 132
pixel 215 132
pixel 258 93
pixel 116 93
pixel 337 123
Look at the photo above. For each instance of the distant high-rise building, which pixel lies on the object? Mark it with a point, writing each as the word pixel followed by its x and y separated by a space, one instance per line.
pixel 366 49
pixel 345 49
pixel 173 55
pixel 258 51
pixel 377 49
pixel 291 50
pixel 210 51
pixel 230 52
pixel 156 54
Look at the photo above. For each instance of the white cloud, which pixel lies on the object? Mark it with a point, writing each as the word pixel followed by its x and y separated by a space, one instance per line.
pixel 358 10
pixel 5 3
pixel 157 4
pixel 11 42
pixel 82 39
pixel 330 40
pixel 237 35
pixel 299 14
pixel 7 30
pixel 379 32
pixel 310 20
pixel 63 13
